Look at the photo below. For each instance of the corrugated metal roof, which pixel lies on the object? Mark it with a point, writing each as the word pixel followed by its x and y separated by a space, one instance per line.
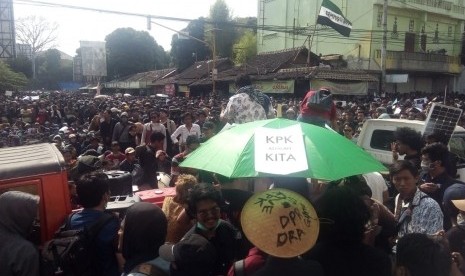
pixel 16 162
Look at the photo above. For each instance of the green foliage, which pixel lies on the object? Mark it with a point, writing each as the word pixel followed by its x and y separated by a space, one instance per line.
pixel 10 80
pixel 222 30
pixel 246 48
pixel 185 51
pixel 130 51
pixel 51 70
pixel 21 64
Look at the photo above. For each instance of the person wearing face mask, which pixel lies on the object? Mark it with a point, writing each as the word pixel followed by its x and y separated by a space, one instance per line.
pixel 434 162
pixel 216 236
pixel 121 132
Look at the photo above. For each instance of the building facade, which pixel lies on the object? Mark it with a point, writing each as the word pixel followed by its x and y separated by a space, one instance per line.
pixel 424 39
pixel 7 30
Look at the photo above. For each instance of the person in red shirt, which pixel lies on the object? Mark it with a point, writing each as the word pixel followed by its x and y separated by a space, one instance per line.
pixel 116 156
pixel 318 108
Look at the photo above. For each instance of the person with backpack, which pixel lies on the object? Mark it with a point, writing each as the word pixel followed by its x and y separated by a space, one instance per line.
pixel 415 211
pixel 18 256
pixel 318 108
pixel 94 193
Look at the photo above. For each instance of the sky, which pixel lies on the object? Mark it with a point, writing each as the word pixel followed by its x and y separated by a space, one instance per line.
pixel 76 25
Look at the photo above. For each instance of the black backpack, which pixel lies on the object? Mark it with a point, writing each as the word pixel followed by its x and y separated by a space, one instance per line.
pixel 73 252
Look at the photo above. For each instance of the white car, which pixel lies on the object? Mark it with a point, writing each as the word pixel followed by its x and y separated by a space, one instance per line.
pixel 378 134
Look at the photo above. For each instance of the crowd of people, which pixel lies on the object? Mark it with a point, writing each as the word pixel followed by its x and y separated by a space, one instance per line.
pixel 413 224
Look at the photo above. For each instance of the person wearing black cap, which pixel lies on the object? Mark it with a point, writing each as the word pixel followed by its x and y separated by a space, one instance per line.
pixel 208 131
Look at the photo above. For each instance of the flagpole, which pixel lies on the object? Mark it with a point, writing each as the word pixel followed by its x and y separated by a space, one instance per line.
pixel 310 44
pixel 384 48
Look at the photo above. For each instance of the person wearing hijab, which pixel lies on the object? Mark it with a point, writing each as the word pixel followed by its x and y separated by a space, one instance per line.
pixel 144 231
pixel 18 256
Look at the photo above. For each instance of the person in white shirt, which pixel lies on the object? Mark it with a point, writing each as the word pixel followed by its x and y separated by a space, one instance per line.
pixel 183 131
pixel 151 127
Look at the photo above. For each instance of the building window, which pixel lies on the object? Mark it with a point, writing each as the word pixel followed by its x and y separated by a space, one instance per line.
pixel 449 31
pixel 394 33
pixel 379 20
pixel 411 25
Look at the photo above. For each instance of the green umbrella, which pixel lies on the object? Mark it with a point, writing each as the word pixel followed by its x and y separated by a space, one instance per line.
pixel 326 154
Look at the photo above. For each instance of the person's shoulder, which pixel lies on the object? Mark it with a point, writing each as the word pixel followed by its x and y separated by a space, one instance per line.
pixel 428 202
pixel 231 230
pixel 238 96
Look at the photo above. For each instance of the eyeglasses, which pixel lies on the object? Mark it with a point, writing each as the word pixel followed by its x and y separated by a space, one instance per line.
pixel 347 129
pixel 215 211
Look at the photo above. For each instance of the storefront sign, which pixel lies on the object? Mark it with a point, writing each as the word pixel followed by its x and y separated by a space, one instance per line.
pixel 341 88
pixel 270 87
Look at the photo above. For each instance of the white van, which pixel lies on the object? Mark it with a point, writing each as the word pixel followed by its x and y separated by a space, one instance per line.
pixel 378 134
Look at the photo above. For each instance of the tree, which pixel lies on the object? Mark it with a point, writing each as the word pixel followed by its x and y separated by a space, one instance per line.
pixel 37 32
pixel 21 64
pixel 246 48
pixel 130 51
pixel 223 31
pixel 10 80
pixel 184 50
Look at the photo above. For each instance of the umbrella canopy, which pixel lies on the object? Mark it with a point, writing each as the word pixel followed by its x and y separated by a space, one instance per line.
pixel 281 147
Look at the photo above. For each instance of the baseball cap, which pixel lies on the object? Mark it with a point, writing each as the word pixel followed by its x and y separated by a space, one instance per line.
pixel 193 250
pixel 124 114
pixel 72 136
pixel 129 150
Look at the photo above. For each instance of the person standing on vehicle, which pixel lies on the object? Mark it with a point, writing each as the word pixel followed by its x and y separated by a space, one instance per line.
pixel 248 104
pixel 18 256
pixel 318 108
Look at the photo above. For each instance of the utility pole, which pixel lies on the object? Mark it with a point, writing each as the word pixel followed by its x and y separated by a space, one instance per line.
pixel 214 72
pixel 383 48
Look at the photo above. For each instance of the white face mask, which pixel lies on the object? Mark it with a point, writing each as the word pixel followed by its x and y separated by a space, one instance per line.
pixel 426 166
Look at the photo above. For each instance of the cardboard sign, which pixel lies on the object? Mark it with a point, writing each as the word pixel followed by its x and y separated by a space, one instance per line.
pixel 280 151
pixel 290 221
pixel 8 93
pixel 420 102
